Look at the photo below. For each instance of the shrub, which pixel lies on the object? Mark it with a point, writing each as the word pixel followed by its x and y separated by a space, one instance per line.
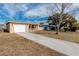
pixel 65 29
pixel 73 29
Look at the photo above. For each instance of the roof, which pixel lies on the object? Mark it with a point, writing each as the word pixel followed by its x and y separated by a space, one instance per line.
pixel 22 22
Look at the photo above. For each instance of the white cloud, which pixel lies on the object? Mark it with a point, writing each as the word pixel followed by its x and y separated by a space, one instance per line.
pixel 13 8
pixel 39 11
pixel 76 5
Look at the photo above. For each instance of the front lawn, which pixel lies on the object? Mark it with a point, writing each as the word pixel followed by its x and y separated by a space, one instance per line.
pixel 15 45
pixel 68 36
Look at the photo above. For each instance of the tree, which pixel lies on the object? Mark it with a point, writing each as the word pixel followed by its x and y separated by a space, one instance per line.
pixel 62 9
pixel 65 20
pixel 68 21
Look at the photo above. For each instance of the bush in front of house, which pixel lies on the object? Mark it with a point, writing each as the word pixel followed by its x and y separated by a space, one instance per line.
pixel 73 29
pixel 75 26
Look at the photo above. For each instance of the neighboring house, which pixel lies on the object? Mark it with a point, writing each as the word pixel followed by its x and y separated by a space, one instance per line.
pixel 14 27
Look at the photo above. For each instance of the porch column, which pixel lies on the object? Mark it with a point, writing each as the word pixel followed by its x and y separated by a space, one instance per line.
pixel 27 28
pixel 38 27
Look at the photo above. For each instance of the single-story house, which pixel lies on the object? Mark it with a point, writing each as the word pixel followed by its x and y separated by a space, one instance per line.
pixel 13 27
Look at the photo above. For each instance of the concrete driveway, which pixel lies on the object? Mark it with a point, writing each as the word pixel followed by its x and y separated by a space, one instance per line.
pixel 68 48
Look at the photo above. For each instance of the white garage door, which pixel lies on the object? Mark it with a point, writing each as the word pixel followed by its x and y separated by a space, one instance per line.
pixel 19 28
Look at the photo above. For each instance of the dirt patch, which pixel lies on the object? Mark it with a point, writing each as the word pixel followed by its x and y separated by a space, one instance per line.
pixel 15 45
pixel 68 36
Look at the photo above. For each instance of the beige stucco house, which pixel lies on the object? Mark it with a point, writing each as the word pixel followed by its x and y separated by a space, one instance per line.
pixel 14 27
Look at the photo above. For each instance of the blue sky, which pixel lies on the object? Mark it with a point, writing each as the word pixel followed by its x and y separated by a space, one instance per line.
pixel 33 12
pixel 23 12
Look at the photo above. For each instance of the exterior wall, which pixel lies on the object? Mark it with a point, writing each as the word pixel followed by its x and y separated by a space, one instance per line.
pixel 36 27
pixel 10 27
pixel 40 27
pixel 11 30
